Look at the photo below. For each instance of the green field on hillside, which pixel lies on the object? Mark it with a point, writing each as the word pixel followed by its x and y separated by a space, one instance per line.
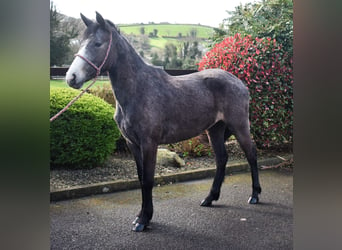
pixel 160 42
pixel 169 29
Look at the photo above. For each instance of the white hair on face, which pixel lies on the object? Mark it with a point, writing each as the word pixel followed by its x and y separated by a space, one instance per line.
pixel 78 65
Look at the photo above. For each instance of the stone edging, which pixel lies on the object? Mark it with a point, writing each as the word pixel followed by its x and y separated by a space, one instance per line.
pixel 122 185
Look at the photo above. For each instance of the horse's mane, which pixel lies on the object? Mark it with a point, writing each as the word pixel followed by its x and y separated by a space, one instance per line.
pixel 93 28
pixel 113 25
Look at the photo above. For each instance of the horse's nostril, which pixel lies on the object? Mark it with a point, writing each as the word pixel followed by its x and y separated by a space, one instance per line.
pixel 72 80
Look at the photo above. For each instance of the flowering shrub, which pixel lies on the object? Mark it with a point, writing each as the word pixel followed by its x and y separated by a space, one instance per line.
pixel 266 69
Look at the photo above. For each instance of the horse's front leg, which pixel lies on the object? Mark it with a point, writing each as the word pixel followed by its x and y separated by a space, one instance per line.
pixel 149 152
pixel 136 151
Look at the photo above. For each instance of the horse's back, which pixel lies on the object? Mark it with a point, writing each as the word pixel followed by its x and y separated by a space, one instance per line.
pixel 217 75
pixel 220 83
pixel 224 77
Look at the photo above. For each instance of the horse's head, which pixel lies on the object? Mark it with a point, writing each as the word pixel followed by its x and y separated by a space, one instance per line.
pixel 96 52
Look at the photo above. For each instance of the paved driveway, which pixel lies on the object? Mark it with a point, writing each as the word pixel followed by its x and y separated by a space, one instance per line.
pixel 104 221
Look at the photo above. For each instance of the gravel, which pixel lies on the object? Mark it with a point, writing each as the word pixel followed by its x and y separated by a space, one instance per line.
pixel 122 167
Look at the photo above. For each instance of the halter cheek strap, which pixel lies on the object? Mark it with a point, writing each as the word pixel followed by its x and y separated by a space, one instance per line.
pixel 98 69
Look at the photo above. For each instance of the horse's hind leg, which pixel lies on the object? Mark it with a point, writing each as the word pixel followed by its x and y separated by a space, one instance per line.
pixel 217 135
pixel 245 141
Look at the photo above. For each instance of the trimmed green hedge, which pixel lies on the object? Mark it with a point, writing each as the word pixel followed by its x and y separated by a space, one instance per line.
pixel 85 134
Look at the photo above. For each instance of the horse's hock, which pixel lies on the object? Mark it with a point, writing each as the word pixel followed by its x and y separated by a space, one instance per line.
pixel 168 158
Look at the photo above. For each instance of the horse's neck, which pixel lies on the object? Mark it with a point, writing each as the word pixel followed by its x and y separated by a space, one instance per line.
pixel 129 56
pixel 125 73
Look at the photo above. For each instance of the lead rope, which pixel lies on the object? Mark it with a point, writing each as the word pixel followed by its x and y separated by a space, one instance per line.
pixel 98 71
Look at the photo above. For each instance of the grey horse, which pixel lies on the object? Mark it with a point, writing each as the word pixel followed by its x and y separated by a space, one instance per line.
pixel 154 108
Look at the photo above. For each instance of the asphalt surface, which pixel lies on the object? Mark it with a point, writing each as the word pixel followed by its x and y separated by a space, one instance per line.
pixel 104 221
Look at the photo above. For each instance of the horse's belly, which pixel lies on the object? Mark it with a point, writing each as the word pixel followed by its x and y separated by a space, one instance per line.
pixel 180 132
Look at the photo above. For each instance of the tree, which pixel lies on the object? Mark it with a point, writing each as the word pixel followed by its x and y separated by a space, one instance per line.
pixel 58 42
pixel 185 49
pixel 60 36
pixel 190 55
pixel 193 33
pixel 194 52
pixel 268 18
pixel 155 60
pixel 170 57
pixel 154 33
pixel 218 36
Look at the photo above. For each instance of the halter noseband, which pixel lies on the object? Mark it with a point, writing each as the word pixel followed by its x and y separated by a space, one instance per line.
pixel 98 69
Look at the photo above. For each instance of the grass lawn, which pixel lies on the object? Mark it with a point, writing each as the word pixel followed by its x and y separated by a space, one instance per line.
pixel 63 84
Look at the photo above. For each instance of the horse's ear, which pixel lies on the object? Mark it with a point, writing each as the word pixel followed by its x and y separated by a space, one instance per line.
pixel 100 20
pixel 86 21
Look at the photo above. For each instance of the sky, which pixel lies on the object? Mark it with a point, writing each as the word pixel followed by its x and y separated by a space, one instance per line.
pixel 202 12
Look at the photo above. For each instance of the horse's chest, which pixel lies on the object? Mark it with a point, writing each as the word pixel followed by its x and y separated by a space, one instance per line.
pixel 124 123
pixel 120 119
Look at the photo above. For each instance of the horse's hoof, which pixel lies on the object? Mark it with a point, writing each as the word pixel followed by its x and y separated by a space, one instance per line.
pixel 205 203
pixel 138 227
pixel 135 221
pixel 253 200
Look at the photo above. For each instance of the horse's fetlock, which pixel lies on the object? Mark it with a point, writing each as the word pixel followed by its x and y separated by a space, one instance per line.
pixel 257 189
pixel 215 195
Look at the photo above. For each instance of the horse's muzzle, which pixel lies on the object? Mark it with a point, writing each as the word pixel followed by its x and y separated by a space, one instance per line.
pixel 73 81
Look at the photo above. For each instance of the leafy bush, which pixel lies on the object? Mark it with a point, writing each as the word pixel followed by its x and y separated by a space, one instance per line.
pixel 105 92
pixel 196 146
pixel 85 134
pixel 266 69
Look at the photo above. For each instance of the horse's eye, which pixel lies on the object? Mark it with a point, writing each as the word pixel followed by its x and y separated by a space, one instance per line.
pixel 98 44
